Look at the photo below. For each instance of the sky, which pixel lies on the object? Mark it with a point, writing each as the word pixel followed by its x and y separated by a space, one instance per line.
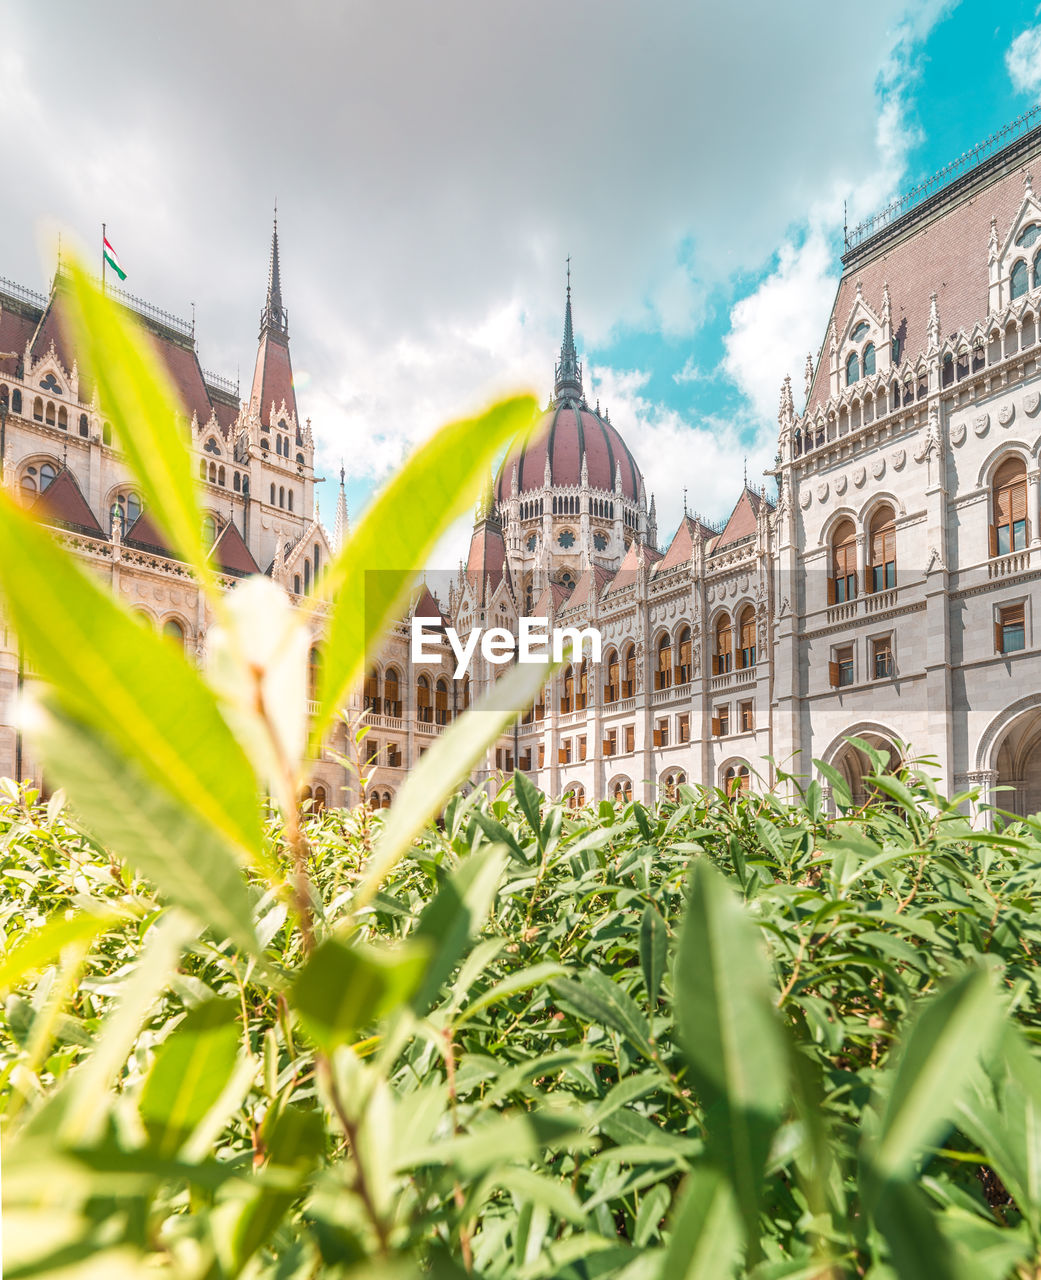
pixel 435 164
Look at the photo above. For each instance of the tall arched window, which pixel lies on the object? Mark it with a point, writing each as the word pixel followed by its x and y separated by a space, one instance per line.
pixel 281 496
pixel 317 559
pixel 612 690
pixel 852 368
pixel 289 499
pixel 746 638
pixel 63 418
pixel 1036 272
pixel 16 401
pixel 307 577
pixel 442 715
pixel 209 531
pixel 882 549
pixel 272 495
pixel 735 780
pixel 663 668
pixel 842 584
pixel 629 672
pixel 466 692
pixel 391 693
pixel 1018 279
pixel 319 800
pixel 869 360
pixel 684 665
pixel 1009 532
pixel 314 672
pixel 424 709
pixel 173 630
pixel 723 658
pixel 84 425
pixel 567 698
pixel 38 409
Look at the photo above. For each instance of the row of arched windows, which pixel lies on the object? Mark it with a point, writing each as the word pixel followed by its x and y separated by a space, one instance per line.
pixel 735 647
pixel 438 699
pixel 279 495
pixel 881 557
pixel 531 510
pixel 566 505
pixel 314 559
pixel 1024 276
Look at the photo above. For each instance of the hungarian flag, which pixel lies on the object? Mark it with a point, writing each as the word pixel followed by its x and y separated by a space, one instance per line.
pixel 112 258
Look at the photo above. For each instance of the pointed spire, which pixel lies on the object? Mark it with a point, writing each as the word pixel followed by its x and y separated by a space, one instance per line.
pixel 342 528
pixel 567 376
pixel 887 303
pixel 809 373
pixel 274 316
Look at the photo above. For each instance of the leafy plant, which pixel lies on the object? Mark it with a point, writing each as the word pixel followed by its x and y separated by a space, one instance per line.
pixel 735 1036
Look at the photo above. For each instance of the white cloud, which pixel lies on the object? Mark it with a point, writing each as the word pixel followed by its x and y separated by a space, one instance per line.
pixel 1023 61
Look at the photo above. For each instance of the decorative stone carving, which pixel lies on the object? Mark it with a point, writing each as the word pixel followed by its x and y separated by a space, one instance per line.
pixel 805 498
pixel 859 476
pixel 1031 404
pixel 878 468
pixel 935 561
pixel 840 485
pixel 981 424
pixel 1006 413
pixel 899 459
pixel 822 491
pixel 958 435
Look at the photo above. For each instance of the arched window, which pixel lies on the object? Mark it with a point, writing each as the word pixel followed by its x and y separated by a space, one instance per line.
pixel 213 473
pixel 385 802
pixel 629 672
pixel 299 459
pixel 281 495
pixel 317 560
pixel 671 782
pixel 1018 279
pixel 442 715
pixel 723 658
pixel 50 413
pixel 735 780
pixel 237 482
pixel 567 698
pixel 289 500
pixel 852 368
pixel 16 401
pixel 47 474
pixel 947 370
pixel 869 360
pixel 314 673
pixel 38 409
pixel 296 584
pixel 84 426
pixel 582 697
pixel 319 802
pixel 63 418
pixel 424 710
pixel 106 433
pixel 272 495
pixel 842 584
pixel 209 530
pixel 576 797
pixel 882 549
pixel 374 800
pixel 746 637
pixel 612 691
pixel 1036 272
pixel 220 476
pixel 622 791
pixel 1009 532
pixel 684 665
pixel 29 480
pixel 466 692
pixel 307 577
pixel 663 665
pixel 173 630
pixel 391 693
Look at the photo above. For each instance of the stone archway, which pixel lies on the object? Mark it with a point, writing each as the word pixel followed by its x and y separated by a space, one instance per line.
pixel 853 763
pixel 1009 759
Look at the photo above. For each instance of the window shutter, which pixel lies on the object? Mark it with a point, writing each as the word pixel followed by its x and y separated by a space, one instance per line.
pixel 581 748
pixel 715 726
pixel 831 591
pixel 715 664
pixel 853 593
pixel 999 638
pixel 993 540
pixel 561 756
pixel 542 754
pixel 607 747
pixel 677 675
pixel 422 697
pixel 1018 499
pixel 833 674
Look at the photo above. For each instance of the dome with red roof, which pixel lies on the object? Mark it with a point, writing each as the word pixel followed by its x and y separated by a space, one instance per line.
pixel 569 432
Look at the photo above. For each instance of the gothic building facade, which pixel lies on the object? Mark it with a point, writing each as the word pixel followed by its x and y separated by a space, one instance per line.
pixel 886 590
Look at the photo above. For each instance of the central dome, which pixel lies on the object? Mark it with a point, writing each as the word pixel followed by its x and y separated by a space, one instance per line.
pixel 567 432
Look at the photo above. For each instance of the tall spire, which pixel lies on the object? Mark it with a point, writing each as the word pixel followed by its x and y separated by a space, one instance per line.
pixel 567 383
pixel 341 529
pixel 274 317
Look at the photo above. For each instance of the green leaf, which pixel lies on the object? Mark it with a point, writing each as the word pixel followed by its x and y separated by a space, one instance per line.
pixel 342 988
pixel 189 862
pixel 124 681
pixel 455 915
pixel 951 1034
pixel 522 980
pixel 654 940
pixel 529 798
pixel 445 765
pixel 731 1033
pixel 370 578
pixel 137 394
pixel 189 1072
pixel 44 946
pixel 705 1241
pixel 597 997
pixel 916 1245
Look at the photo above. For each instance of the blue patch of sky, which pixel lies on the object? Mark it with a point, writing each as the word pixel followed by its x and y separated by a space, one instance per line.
pixel 960 94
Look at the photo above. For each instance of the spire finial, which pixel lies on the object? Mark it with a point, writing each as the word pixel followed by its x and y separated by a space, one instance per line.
pixel 568 372
pixel 746 470
pixel 274 315
pixel 686 513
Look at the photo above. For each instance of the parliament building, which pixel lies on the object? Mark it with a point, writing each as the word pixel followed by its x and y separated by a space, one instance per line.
pixel 883 586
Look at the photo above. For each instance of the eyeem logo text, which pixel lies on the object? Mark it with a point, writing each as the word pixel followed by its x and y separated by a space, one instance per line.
pixel 534 642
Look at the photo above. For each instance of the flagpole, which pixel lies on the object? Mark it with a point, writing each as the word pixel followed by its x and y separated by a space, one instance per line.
pixel 102 257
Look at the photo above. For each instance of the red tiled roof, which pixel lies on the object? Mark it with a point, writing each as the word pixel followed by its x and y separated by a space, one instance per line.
pixel 426 606
pixel 682 545
pixel 589 586
pixel 15 331
pixel 62 503
pixel 638 553
pixel 947 255
pixel 231 554
pixel 487 558
pixel 564 433
pixel 272 378
pixel 145 533
pixel 742 520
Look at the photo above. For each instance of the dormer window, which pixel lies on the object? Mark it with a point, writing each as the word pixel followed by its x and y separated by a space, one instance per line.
pixel 860 332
